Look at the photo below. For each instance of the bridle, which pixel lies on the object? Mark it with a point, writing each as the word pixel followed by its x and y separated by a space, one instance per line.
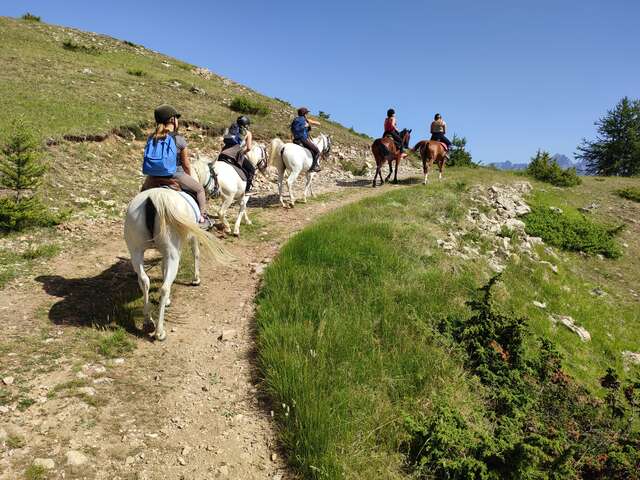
pixel 262 164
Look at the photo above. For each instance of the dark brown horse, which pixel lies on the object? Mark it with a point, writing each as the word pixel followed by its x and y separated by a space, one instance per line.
pixel 430 151
pixel 384 149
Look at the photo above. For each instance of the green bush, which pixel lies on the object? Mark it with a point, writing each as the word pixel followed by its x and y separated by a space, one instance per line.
pixel 630 193
pixel 545 426
pixel 324 115
pixel 136 72
pixel 17 216
pixel 249 106
pixel 572 232
pixel 545 169
pixel 459 156
pixel 351 166
pixel 76 47
pixel 30 17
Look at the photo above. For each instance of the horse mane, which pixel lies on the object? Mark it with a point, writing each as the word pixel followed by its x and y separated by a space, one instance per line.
pixel 418 146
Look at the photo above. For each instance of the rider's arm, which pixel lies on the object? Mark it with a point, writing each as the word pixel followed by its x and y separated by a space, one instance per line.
pixel 186 163
pixel 248 142
pixel 444 127
pixel 313 122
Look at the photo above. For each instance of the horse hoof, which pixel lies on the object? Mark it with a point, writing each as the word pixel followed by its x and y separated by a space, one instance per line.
pixel 161 336
pixel 236 234
pixel 168 303
pixel 196 282
pixel 148 326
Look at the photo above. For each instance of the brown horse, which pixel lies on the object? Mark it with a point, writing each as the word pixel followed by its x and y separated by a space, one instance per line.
pixel 384 149
pixel 430 151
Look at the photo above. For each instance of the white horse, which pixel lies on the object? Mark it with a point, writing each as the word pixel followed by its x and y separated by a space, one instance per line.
pixel 162 218
pixel 295 159
pixel 232 187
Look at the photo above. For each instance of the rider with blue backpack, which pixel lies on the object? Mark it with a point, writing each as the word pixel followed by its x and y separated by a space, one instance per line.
pixel 166 160
pixel 300 130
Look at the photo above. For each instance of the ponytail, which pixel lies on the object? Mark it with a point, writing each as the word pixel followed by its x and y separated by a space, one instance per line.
pixel 160 132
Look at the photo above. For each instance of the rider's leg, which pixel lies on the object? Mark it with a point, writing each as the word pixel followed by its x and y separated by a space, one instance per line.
pixel 250 170
pixel 315 153
pixel 187 182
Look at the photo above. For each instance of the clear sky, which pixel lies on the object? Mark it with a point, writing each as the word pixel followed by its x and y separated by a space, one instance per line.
pixel 510 75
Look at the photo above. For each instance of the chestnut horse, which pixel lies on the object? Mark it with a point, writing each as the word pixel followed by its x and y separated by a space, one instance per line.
pixel 430 151
pixel 384 149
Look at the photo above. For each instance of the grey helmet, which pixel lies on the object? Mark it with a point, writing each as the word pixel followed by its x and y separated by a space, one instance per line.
pixel 243 121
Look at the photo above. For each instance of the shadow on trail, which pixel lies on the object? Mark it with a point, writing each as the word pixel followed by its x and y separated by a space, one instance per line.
pixel 99 301
pixel 368 183
pixel 263 201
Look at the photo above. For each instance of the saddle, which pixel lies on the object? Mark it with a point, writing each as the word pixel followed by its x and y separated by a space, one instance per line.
pixel 234 163
pixel 166 182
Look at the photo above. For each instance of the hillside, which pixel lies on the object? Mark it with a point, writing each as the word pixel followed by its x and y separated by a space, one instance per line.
pixel 68 82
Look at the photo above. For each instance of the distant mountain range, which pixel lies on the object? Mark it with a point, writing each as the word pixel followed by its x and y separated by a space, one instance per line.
pixel 562 160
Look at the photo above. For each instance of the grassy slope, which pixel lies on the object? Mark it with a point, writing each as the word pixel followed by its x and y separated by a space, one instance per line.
pixel 352 347
pixel 45 83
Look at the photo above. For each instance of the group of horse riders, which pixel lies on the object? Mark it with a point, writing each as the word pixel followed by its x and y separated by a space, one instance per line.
pixel 438 130
pixel 166 157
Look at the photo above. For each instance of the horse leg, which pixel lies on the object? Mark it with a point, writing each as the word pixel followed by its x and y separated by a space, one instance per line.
pixel 171 262
pixel 313 194
pixel 386 179
pixel 137 260
pixel 291 179
pixel 307 186
pixel 195 249
pixel 222 213
pixel 241 213
pixel 395 175
pixel 375 175
pixel 441 168
pixel 246 216
pixel 280 179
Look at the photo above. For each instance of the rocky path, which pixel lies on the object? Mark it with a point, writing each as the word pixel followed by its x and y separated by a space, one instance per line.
pixel 187 408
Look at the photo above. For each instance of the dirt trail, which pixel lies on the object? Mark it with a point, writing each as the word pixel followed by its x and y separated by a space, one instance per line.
pixel 186 408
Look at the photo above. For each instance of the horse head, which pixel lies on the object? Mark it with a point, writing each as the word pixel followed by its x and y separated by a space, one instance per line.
pixel 405 135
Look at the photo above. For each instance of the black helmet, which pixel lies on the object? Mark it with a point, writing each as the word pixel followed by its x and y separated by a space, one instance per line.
pixel 438 116
pixel 391 112
pixel 243 121
pixel 163 113
pixel 303 111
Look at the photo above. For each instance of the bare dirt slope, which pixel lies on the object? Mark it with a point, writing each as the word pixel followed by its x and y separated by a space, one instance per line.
pixel 186 408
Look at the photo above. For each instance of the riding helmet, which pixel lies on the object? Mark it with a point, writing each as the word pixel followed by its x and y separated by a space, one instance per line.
pixel 243 121
pixel 164 113
pixel 391 112
pixel 437 117
pixel 303 111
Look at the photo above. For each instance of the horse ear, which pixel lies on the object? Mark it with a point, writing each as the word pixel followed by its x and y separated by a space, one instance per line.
pixel 410 130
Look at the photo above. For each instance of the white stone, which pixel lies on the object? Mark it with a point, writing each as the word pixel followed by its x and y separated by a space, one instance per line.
pixel 90 391
pixel 539 304
pixel 570 323
pixel 7 380
pixel 46 463
pixel 75 458
pixel 631 357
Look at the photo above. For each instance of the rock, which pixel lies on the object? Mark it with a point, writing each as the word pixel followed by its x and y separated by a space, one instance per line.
pixel 46 463
pixel 4 409
pixel 7 380
pixel 118 361
pixel 553 267
pixel 274 457
pixel 75 458
pixel 197 90
pixel 182 461
pixel 3 435
pixel 589 208
pixel 185 450
pixel 226 335
pixel 598 292
pixel 223 470
pixel 90 391
pixel 570 323
pixel 631 357
pixel 555 209
pixel 87 71
pixel 129 460
pixel 539 304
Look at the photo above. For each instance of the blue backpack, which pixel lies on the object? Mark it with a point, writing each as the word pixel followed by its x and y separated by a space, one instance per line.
pixel 160 157
pixel 232 137
pixel 298 128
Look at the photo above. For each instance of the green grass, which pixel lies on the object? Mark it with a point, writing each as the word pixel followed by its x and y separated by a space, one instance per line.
pixel 249 106
pixel 136 72
pixel 347 314
pixel 630 193
pixel 115 344
pixel 15 441
pixel 573 231
pixel 41 251
pixel 35 472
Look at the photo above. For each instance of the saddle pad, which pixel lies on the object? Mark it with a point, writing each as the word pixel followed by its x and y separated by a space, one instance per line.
pixel 444 145
pixel 192 203
pixel 238 170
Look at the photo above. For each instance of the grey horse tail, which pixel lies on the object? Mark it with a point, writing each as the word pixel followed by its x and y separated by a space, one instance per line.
pixel 150 213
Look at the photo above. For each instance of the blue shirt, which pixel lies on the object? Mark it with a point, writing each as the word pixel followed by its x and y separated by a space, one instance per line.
pixel 299 128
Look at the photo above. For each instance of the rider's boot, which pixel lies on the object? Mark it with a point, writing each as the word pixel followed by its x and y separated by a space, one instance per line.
pixel 249 188
pixel 205 223
pixel 315 167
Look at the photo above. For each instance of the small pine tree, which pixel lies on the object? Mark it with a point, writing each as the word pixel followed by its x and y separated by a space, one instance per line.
pixel 459 156
pixel 544 168
pixel 324 115
pixel 20 166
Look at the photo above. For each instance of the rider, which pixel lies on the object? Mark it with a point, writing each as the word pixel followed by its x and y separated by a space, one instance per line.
pixel 166 118
pixel 438 130
pixel 390 129
pixel 237 143
pixel 300 129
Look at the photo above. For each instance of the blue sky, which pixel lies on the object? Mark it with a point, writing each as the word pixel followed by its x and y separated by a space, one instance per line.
pixel 511 76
